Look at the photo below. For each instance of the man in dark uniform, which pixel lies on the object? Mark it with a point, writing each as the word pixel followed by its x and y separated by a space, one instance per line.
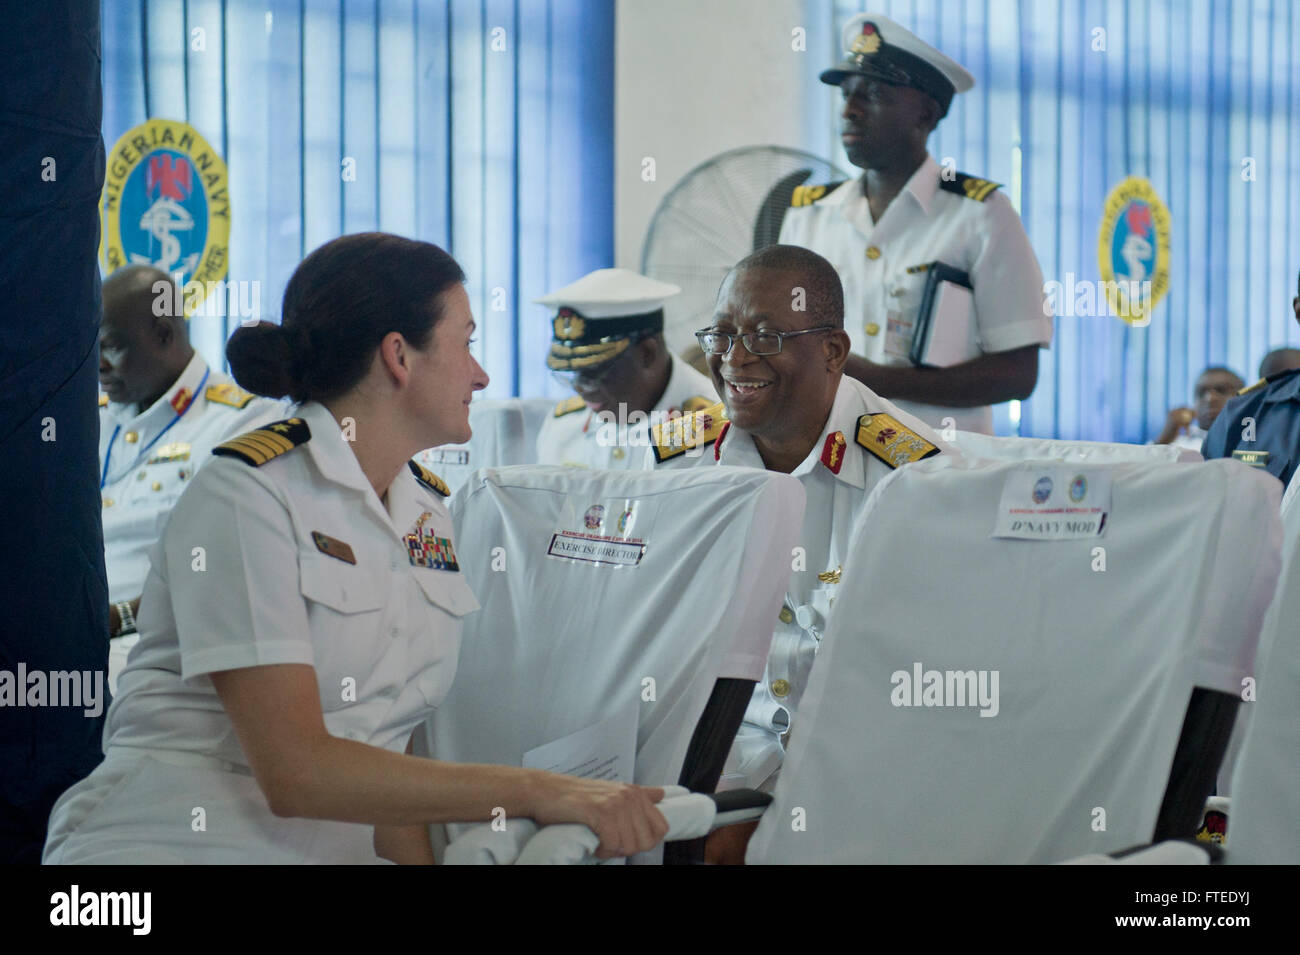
pixel 1261 426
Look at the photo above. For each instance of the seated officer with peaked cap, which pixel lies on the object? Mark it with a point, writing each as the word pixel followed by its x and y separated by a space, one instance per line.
pixel 884 231
pixel 1261 426
pixel 161 412
pixel 609 348
pixel 787 406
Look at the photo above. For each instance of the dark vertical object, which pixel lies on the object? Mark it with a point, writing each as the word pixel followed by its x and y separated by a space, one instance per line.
pixel 144 65
pixel 51 545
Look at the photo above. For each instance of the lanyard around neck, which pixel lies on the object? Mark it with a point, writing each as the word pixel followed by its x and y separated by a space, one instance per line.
pixel 108 455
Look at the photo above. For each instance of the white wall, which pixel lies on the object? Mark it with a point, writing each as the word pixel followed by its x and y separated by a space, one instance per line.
pixel 695 78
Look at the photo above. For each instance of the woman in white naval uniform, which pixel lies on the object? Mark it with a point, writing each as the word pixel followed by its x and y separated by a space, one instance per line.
pixel 303 613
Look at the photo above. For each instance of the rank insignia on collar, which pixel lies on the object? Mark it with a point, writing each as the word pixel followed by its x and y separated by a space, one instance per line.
pixel 333 547
pixel 892 441
pixel 833 451
pixel 181 400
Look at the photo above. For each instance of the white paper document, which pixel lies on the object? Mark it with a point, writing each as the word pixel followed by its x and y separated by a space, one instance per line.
pixel 605 750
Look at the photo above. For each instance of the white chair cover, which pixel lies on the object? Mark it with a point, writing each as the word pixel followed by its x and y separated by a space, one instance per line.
pixel 505 433
pixel 1095 667
pixel 1264 820
pixel 977 445
pixel 561 645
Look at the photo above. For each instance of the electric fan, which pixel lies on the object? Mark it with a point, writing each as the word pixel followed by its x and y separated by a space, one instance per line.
pixel 722 210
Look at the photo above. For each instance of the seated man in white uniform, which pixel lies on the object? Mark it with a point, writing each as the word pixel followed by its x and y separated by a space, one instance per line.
pixel 161 412
pixel 609 348
pixel 788 406
pixel 888 232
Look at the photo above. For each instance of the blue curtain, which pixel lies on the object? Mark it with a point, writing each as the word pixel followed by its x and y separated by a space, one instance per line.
pixel 1183 94
pixel 485 126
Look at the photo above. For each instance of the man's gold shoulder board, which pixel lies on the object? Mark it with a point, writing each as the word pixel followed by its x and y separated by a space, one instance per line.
pixel 430 480
pixel 103 401
pixel 261 445
pixel 807 195
pixel 228 394
pixel 568 406
pixel 1255 387
pixel 697 403
pixel 695 430
pixel 892 441
pixel 972 187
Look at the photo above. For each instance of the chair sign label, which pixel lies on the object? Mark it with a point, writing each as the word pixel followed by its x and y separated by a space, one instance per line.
pixel 1053 503
pixel 595 549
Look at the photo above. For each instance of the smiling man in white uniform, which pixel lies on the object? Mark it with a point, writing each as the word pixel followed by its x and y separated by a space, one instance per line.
pixel 608 347
pixel 787 406
pixel 885 231
pixel 161 412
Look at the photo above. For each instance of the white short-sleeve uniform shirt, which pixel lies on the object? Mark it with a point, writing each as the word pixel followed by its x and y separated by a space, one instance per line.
pixel 146 459
pixel 574 435
pixel 837 477
pixel 292 561
pixel 878 265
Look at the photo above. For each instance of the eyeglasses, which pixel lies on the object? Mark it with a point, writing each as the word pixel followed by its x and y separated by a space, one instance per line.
pixel 714 342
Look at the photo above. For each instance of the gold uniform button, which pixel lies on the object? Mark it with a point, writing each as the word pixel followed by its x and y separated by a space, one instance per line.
pixel 785 615
pixel 619 454
pixel 108 502
pixel 132 437
pixel 873 328
pixel 873 253
pixel 157 485
pixel 781 688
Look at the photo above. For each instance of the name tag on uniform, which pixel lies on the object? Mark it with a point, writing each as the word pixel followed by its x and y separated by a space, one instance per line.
pixel 1053 503
pixel 1256 459
pixel 333 547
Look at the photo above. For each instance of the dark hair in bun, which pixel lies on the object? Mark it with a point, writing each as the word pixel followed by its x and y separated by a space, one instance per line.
pixel 340 303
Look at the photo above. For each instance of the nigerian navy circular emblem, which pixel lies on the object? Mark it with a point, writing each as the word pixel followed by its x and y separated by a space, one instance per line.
pixel 166 203
pixel 1133 250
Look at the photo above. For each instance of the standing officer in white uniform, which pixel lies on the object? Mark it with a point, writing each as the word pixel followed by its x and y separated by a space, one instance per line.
pixel 885 229
pixel 161 412
pixel 303 613
pixel 609 347
pixel 787 406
